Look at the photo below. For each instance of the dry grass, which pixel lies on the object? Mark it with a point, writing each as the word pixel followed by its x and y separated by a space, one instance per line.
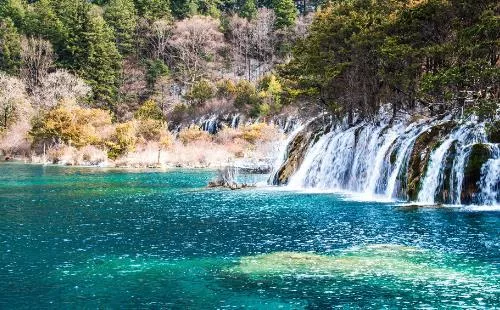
pixel 15 140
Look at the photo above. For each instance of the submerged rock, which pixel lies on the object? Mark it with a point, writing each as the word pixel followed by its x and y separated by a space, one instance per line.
pixel 396 262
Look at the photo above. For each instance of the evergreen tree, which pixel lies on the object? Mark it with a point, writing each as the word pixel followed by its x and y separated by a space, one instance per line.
pixel 120 15
pixel 248 10
pixel 10 47
pixel 13 9
pixel 191 8
pixel 89 48
pixel 286 13
pixel 42 21
pixel 97 58
pixel 153 9
pixel 209 7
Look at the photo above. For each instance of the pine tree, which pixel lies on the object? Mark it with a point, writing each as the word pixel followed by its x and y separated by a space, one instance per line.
pixel 42 21
pixel 10 47
pixel 248 10
pixel 121 16
pixel 209 7
pixel 13 9
pixel 98 59
pixel 191 8
pixel 153 9
pixel 286 13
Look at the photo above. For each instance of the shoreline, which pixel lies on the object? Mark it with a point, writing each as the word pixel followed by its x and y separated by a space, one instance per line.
pixel 27 161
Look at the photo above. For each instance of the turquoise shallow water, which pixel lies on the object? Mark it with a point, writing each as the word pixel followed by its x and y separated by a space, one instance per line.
pixel 94 238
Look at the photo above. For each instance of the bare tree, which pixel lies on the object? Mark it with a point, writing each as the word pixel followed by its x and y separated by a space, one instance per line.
pixel 37 57
pixel 195 45
pixel 302 24
pixel 253 43
pixel 264 39
pixel 14 103
pixel 241 44
pixel 161 31
pixel 57 86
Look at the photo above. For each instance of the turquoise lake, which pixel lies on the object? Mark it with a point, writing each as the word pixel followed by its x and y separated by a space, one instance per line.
pixel 97 238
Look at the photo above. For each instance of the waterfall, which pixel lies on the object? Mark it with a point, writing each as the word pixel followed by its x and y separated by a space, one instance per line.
pixel 400 159
pixel 282 151
pixel 235 121
pixel 404 147
pixel 380 161
pixel 434 173
pixel 210 124
pixel 490 178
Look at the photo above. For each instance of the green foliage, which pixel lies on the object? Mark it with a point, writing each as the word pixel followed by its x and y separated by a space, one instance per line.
pixel 13 9
pixel 10 47
pixel 493 131
pixel 121 16
pixel 83 41
pixel 208 7
pixel 184 8
pixel 248 10
pixel 246 95
pixel 485 109
pixel 42 20
pixel 361 53
pixel 149 110
pixel 155 69
pixel 201 92
pixel 153 9
pixel 98 59
pixel 270 95
pixel 286 13
pixel 122 141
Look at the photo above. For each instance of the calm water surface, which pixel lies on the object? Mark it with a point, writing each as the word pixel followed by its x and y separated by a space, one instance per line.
pixel 93 238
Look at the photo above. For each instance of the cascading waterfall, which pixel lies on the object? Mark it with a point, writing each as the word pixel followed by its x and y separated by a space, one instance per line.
pixel 490 181
pixel 404 144
pixel 434 173
pixel 210 124
pixel 282 149
pixel 430 161
pixel 235 120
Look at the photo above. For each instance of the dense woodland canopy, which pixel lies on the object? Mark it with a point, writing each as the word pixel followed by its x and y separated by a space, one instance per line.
pixel 361 54
pixel 178 59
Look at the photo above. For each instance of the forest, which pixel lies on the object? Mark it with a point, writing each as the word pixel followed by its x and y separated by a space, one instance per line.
pixel 115 76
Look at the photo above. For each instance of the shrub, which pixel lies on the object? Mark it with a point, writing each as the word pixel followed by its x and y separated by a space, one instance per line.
pixel 166 139
pixel 149 110
pixel 149 129
pixel 259 131
pixel 226 89
pixel 155 69
pixel 246 95
pixel 201 92
pixel 71 125
pixel 193 134
pixel 270 96
pixel 179 113
pixel 123 140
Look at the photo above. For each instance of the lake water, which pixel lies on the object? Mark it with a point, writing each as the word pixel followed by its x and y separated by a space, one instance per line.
pixel 89 238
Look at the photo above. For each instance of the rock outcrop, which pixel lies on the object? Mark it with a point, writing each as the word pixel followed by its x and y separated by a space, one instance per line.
pixel 424 145
pixel 297 149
